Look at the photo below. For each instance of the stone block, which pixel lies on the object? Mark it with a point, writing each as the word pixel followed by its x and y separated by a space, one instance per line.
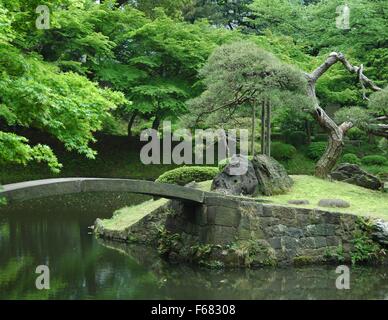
pixel 223 216
pixel 275 243
pixel 320 242
pixel 307 243
pixel 220 235
pixel 295 232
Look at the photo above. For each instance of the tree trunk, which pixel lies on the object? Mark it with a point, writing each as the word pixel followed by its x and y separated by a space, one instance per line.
pixel 253 130
pixel 268 129
pixel 308 131
pixel 156 122
pixel 263 140
pixel 131 121
pixel 336 133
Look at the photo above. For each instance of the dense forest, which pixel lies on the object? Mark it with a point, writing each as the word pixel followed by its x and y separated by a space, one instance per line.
pixel 85 67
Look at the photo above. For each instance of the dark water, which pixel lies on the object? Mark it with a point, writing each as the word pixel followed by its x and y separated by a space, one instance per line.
pixel 54 232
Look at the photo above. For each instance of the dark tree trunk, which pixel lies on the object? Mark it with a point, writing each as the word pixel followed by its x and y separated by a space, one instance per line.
pixel 308 131
pixel 263 140
pixel 268 129
pixel 253 130
pixel 156 122
pixel 131 121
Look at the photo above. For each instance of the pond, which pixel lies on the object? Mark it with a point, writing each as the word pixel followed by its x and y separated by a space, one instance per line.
pixel 55 232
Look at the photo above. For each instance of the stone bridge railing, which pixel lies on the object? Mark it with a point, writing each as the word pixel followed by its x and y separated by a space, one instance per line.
pixel 53 187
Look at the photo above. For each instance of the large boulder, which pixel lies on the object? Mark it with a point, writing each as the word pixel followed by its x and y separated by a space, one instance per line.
pixel 353 174
pixel 271 175
pixel 261 176
pixel 237 178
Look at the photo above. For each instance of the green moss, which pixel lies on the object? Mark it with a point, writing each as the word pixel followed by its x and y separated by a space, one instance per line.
pixel 253 253
pixel 212 264
pixel 303 260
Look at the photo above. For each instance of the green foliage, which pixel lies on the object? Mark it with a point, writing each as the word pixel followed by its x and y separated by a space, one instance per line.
pixel 185 175
pixel 383 146
pixel 356 134
pixel 299 164
pixel 15 149
pixel 316 150
pixel 337 255
pixel 282 151
pixel 374 160
pixel 351 158
pixel 240 75
pixel 168 241
pixel 364 248
pixel 378 103
pixel 297 138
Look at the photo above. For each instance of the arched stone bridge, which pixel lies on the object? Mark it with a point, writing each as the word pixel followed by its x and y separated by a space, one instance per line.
pixel 37 189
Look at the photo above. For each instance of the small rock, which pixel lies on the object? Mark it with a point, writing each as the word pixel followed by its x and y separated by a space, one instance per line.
pixel 334 203
pixel 299 202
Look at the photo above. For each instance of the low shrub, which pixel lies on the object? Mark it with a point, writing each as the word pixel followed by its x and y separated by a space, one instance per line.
pixel 300 165
pixel 320 137
pixel 282 151
pixel 184 175
pixel 383 146
pixel 377 160
pixel 356 134
pixel 297 138
pixel 316 150
pixel 350 158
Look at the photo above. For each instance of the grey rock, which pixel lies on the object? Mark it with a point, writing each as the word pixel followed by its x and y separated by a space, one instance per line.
pixel 231 183
pixel 353 174
pixel 271 175
pixel 299 202
pixel 380 232
pixel 334 203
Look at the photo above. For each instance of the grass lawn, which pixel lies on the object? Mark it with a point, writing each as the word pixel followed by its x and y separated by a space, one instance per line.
pixel 127 216
pixel 363 201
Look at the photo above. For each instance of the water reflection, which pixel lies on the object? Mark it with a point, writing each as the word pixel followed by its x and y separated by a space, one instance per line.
pixel 55 232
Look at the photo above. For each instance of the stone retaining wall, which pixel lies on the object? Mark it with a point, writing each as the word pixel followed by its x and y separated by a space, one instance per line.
pixel 234 233
pixel 289 234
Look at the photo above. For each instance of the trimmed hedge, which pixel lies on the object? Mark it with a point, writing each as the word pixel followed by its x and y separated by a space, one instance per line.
pixel 282 151
pixel 350 158
pixel 316 150
pixel 184 175
pixel 377 160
